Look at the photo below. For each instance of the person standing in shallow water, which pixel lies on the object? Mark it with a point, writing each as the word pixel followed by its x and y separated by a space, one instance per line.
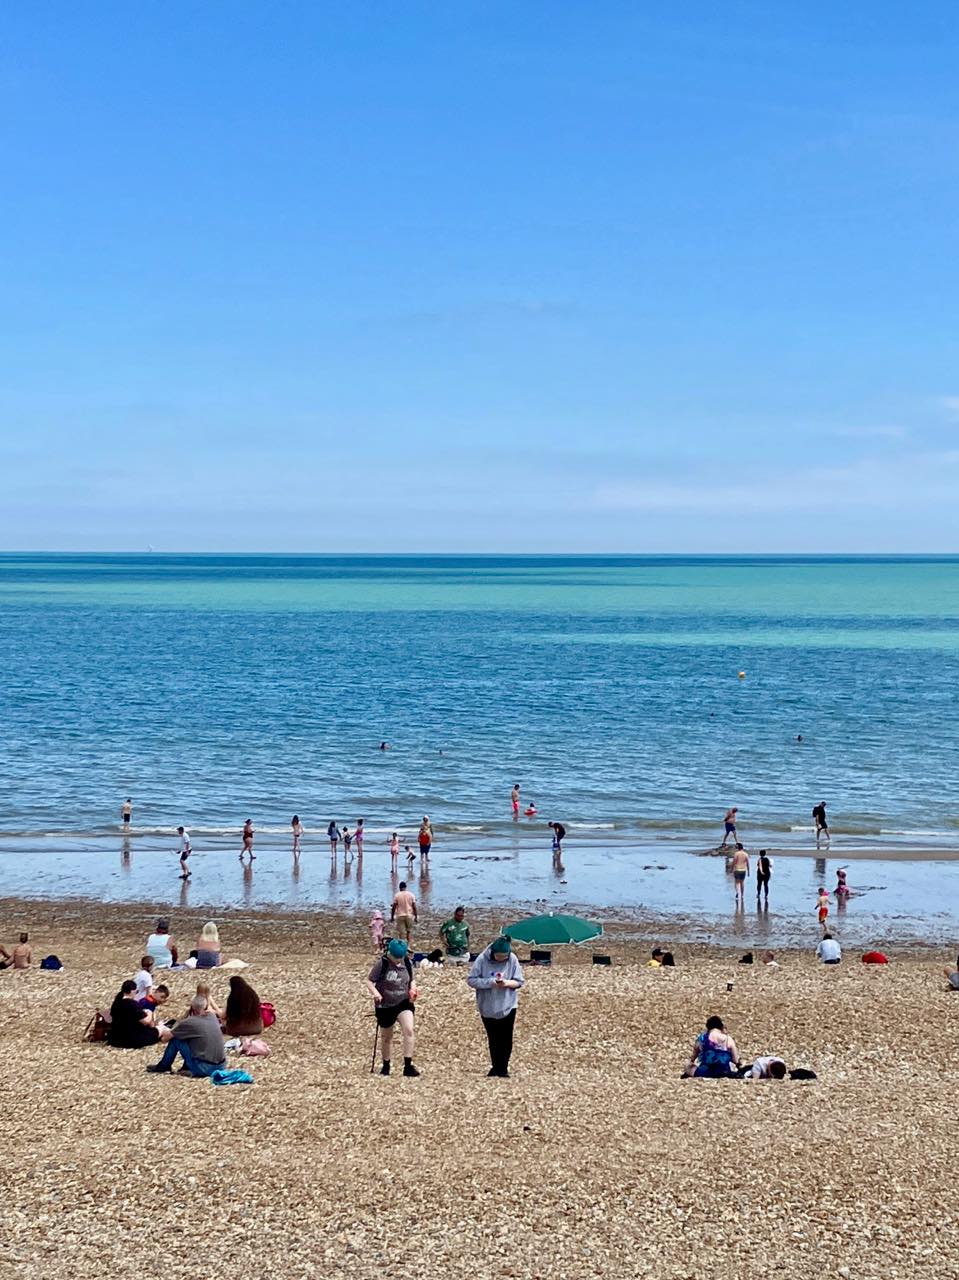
pixel 764 869
pixel 497 977
pixel 740 870
pixel 729 826
pixel 514 800
pixel 247 840
pixel 126 811
pixel 821 825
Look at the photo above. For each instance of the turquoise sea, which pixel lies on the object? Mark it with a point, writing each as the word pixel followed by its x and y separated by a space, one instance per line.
pixel 210 688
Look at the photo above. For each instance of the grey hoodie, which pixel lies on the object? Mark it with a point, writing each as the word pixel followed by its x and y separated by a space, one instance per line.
pixel 491 1000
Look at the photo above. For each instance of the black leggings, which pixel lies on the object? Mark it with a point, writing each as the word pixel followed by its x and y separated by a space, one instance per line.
pixel 499 1033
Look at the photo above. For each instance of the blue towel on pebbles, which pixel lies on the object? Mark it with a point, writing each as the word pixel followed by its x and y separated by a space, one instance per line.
pixel 222 1076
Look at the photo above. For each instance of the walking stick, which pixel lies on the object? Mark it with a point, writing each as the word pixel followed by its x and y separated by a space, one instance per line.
pixel 376 1036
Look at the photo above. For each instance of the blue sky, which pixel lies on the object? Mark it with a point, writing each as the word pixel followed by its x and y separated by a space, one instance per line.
pixel 538 276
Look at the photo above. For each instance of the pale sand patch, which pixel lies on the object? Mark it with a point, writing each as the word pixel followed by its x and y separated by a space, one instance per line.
pixel 595 1160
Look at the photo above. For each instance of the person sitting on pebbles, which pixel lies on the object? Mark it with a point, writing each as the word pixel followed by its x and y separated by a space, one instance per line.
pixel 131 1027
pixel 714 1055
pixel 203 989
pixel 197 1039
pixel 952 976
pixel 244 1016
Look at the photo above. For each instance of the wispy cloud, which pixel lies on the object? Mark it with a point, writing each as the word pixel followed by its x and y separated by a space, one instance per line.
pixel 950 404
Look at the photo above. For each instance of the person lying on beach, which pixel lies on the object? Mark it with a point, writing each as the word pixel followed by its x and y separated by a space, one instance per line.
pixel 714 1055
pixel 161 946
pixel 952 976
pixel 769 959
pixel 130 1026
pixel 767 1068
pixel 243 1014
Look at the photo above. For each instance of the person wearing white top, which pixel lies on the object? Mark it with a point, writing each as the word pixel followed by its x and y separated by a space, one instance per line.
pixel 184 851
pixel 144 978
pixel 829 951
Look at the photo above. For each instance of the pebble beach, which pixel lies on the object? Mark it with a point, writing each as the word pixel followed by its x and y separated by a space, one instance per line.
pixel 594 1159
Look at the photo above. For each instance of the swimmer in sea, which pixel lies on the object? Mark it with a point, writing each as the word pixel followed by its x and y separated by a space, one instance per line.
pixel 530 810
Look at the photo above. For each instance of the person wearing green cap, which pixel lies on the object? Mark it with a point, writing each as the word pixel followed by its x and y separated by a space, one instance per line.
pixel 390 983
pixel 496 977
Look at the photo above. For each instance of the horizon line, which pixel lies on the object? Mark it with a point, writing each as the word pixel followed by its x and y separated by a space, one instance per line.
pixel 541 555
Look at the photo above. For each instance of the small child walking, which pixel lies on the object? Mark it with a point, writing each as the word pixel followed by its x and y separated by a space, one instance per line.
pixel 377 928
pixel 822 907
pixel 347 842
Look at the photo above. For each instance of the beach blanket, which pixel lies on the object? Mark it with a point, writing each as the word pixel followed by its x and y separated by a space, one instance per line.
pixel 224 1076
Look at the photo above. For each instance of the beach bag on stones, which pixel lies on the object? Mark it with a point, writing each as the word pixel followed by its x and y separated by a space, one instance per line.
pixel 255 1048
pixel 267 1013
pixel 51 962
pixel 96 1029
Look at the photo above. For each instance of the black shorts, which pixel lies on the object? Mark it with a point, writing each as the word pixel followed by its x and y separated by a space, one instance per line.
pixel 126 817
pixel 386 1015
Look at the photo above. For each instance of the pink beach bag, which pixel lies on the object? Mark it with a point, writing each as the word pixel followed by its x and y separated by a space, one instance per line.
pixel 255 1048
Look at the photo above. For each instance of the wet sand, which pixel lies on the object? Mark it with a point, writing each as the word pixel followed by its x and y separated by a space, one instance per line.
pixel 895 898
pixel 594 1160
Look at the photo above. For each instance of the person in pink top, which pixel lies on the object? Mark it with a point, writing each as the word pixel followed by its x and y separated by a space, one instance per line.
pixel 403 912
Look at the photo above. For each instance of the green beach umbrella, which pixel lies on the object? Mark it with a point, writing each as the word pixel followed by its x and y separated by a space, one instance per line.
pixel 550 930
